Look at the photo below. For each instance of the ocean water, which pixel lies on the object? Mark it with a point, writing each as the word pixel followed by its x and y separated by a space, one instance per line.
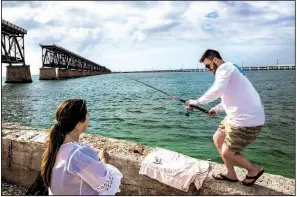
pixel 124 109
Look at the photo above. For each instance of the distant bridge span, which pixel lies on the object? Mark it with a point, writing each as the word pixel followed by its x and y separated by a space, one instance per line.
pixel 69 64
pixel 246 68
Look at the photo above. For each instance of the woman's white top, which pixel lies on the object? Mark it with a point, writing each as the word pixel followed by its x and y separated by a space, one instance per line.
pixel 78 171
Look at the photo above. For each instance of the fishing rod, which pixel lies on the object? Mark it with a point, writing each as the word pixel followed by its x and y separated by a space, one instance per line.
pixel 174 97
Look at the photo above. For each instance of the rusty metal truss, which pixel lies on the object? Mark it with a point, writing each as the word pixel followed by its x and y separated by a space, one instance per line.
pixel 59 57
pixel 12 41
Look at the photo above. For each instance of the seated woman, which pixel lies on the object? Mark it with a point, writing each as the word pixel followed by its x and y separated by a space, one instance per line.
pixel 72 168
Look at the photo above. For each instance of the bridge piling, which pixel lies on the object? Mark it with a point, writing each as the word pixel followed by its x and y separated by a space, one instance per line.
pixel 13 53
pixel 47 73
pixel 63 73
pixel 18 74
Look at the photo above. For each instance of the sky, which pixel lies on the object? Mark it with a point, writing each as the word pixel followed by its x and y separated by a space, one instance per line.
pixel 146 35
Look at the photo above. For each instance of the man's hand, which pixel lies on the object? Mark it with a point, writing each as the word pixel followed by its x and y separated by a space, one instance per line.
pixel 212 113
pixel 191 102
pixel 104 156
pixel 188 103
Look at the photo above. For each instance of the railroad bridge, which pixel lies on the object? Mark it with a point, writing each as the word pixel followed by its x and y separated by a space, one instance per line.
pixel 54 57
pixel 68 63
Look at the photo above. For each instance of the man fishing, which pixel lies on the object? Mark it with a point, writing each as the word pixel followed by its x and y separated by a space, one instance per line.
pixel 244 120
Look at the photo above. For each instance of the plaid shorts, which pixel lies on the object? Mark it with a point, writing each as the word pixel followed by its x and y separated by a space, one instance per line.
pixel 237 137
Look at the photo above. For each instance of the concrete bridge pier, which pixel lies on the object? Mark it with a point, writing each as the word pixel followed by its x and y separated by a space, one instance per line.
pixel 73 73
pixel 47 73
pixel 18 74
pixel 63 73
pixel 77 73
pixel 85 73
pixel 80 73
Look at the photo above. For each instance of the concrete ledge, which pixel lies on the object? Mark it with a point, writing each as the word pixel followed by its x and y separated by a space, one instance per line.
pixel 22 148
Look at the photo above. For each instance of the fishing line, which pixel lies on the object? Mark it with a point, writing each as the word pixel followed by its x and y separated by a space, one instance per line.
pixel 172 96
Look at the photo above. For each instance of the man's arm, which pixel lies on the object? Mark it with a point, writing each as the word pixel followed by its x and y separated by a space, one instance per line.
pixel 218 88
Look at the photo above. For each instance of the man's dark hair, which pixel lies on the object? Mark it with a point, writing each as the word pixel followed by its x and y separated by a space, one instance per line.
pixel 210 54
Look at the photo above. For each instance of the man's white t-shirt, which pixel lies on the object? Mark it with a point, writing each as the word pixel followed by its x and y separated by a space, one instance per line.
pixel 239 98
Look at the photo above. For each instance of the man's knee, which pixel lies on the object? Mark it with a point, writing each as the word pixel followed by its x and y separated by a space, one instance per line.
pixel 227 153
pixel 218 138
pixel 215 138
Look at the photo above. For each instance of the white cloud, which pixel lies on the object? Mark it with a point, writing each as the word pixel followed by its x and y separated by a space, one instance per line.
pixel 139 36
pixel 286 8
pixel 127 35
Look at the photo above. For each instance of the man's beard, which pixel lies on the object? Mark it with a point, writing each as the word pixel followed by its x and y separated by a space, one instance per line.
pixel 215 67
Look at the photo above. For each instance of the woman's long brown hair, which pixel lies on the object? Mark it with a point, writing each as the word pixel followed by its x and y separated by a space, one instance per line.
pixel 69 113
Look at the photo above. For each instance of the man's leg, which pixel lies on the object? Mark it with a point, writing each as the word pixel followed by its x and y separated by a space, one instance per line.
pixel 241 160
pixel 218 139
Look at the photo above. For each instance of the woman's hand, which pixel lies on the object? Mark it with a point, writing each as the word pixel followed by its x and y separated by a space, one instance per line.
pixel 104 156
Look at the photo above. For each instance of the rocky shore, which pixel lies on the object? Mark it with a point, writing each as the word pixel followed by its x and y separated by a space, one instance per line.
pixel 10 189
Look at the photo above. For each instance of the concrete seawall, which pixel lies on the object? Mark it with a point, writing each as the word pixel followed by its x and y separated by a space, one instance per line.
pixel 22 148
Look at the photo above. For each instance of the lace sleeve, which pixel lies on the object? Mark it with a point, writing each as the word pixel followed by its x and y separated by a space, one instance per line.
pixel 95 173
pixel 106 185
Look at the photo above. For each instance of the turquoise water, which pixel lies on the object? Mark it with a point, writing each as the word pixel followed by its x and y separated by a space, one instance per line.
pixel 124 109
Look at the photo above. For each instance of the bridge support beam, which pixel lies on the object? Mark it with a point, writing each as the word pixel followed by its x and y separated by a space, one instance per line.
pixel 47 74
pixel 18 74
